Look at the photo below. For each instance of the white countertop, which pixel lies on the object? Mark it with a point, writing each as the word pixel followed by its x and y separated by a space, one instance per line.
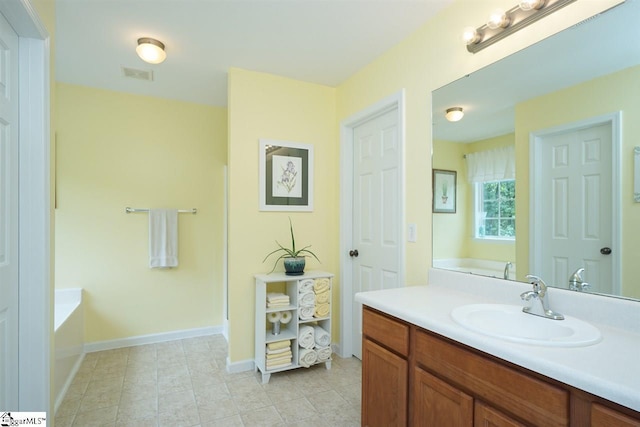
pixel 609 369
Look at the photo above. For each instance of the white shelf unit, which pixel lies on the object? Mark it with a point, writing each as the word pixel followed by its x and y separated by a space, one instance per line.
pixel 266 283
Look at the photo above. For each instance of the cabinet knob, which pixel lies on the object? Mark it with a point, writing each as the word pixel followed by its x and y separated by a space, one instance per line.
pixel 354 253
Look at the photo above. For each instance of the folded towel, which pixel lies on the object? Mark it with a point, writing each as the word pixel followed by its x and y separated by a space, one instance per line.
pixel 323 297
pixel 163 238
pixel 305 337
pixel 324 353
pixel 278 345
pixel 279 351
pixel 307 357
pixel 279 358
pixel 280 364
pixel 286 354
pixel 307 299
pixel 321 337
pixel 277 297
pixel 321 285
pixel 322 310
pixel 306 313
pixel 306 285
pixel 277 304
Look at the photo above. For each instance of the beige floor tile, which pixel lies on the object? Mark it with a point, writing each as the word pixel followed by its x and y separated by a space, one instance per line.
pixel 234 421
pixel 68 407
pixel 175 402
pixel 251 401
pixel 64 421
pixel 262 417
pixel 138 410
pixel 216 410
pixel 97 418
pixel 212 393
pixel 296 410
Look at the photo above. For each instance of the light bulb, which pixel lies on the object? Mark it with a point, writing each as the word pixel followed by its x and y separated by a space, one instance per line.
pixel 470 35
pixel 498 19
pixel 454 114
pixel 151 50
pixel 531 4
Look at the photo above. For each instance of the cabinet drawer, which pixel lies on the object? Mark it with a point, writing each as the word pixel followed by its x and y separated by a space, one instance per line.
pixel 389 332
pixel 529 398
pixel 601 416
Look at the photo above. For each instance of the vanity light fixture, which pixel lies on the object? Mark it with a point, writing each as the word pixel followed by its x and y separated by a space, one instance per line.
pixel 151 50
pixel 501 24
pixel 454 114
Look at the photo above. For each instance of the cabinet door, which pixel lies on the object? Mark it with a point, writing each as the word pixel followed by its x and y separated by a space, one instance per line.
pixel 486 416
pixel 384 386
pixel 601 416
pixel 436 403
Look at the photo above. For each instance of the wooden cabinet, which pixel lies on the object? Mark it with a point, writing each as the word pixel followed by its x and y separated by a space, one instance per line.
pixel 454 385
pixel 289 346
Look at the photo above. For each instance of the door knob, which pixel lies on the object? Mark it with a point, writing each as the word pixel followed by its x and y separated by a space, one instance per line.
pixel 354 253
pixel 605 251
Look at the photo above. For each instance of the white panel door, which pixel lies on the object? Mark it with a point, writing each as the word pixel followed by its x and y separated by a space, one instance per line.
pixel 577 207
pixel 8 217
pixel 376 211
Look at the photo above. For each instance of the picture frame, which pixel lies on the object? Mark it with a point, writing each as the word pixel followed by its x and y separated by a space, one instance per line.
pixel 444 191
pixel 286 176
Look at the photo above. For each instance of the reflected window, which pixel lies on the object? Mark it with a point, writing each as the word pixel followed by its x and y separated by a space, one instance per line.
pixel 495 212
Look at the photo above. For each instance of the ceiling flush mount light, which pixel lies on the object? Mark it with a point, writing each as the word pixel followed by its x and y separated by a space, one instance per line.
pixel 454 114
pixel 501 24
pixel 151 50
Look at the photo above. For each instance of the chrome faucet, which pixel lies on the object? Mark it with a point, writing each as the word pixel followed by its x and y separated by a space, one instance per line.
pixel 506 270
pixel 576 283
pixel 538 301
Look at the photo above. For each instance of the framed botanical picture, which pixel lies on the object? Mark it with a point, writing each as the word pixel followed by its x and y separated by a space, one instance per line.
pixel 444 191
pixel 286 176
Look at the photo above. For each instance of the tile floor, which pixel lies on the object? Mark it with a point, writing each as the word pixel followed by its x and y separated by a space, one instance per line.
pixel 185 383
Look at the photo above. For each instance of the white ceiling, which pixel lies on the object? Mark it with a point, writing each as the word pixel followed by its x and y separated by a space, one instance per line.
pixel 318 41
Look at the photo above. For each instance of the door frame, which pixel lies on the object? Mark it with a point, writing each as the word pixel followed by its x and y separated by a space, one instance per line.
pixel 535 165
pixel 395 101
pixel 34 181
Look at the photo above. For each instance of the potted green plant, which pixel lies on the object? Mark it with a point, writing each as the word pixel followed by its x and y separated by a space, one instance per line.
pixel 294 259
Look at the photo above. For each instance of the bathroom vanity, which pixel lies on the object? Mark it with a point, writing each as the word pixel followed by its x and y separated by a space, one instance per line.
pixel 420 367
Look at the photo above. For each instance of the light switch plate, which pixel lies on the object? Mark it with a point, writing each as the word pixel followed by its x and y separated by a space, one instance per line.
pixel 412 234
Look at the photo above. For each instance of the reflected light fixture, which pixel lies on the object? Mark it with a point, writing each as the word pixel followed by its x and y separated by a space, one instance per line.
pixel 454 114
pixel 501 23
pixel 151 50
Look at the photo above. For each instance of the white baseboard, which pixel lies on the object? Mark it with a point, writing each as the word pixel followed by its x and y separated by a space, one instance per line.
pixel 152 338
pixel 67 383
pixel 225 329
pixel 235 367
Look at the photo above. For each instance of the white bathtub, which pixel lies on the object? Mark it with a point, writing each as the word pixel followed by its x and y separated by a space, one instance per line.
pixel 68 339
pixel 480 267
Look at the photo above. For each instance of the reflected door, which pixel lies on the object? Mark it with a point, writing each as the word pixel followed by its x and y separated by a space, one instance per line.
pixel 376 211
pixel 576 207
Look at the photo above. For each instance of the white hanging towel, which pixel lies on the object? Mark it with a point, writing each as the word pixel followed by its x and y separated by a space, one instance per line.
pixel 163 238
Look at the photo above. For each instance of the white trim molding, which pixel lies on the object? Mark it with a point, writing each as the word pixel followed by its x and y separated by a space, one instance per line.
pixel 395 101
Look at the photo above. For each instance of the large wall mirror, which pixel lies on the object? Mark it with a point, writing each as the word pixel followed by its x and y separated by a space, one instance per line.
pixel 544 161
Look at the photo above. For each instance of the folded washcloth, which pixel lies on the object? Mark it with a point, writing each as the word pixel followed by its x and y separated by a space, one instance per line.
pixel 321 337
pixel 163 238
pixel 279 351
pixel 306 285
pixel 277 304
pixel 321 285
pixel 306 313
pixel 307 299
pixel 307 357
pixel 277 297
pixel 323 297
pixel 306 337
pixel 324 353
pixel 322 310
pixel 278 345
pixel 287 354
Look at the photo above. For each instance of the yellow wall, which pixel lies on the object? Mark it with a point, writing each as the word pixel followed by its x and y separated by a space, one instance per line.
pixel 117 150
pixel 272 107
pixel 430 58
pixel 617 92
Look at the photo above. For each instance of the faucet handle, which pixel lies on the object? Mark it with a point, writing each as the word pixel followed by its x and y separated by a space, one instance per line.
pixel 538 284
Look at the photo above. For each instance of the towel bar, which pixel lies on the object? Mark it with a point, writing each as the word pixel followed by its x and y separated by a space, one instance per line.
pixel 132 210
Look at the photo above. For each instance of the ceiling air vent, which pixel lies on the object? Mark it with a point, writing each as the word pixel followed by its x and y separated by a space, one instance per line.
pixel 138 74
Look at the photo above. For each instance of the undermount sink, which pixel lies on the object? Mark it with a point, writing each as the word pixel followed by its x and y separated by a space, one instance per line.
pixel 508 322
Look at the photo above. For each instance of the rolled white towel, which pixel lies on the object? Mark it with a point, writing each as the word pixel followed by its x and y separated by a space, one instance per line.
pixel 307 299
pixel 306 285
pixel 322 310
pixel 321 337
pixel 306 313
pixel 324 353
pixel 323 297
pixel 305 337
pixel 307 357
